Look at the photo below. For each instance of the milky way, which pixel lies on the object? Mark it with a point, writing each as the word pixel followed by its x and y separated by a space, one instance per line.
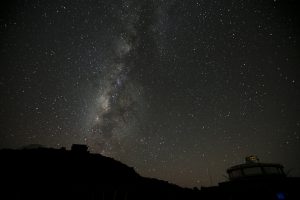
pixel 118 101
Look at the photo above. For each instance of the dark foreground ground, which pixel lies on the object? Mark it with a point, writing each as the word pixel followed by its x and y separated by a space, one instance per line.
pixel 44 173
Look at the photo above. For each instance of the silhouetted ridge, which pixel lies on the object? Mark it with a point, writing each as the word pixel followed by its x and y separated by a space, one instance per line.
pixel 47 173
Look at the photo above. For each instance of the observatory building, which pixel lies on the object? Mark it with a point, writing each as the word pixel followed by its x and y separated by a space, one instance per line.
pixel 252 168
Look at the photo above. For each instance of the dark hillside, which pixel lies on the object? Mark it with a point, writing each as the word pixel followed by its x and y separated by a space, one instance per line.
pixel 45 173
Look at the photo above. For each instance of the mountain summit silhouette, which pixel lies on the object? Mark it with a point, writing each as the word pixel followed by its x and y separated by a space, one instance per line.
pixel 36 172
pixel 47 173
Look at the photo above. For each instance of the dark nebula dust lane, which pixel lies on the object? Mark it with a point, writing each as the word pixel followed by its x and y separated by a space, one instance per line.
pixel 179 90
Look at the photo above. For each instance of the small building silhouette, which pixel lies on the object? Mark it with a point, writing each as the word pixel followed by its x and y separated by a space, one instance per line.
pixel 79 148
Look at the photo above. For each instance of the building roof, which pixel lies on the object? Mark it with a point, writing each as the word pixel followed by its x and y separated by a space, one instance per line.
pixel 248 165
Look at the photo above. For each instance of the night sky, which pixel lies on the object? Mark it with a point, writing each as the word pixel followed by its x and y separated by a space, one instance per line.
pixel 179 90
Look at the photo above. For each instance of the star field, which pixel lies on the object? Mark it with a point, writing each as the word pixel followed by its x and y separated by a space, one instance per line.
pixel 179 90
